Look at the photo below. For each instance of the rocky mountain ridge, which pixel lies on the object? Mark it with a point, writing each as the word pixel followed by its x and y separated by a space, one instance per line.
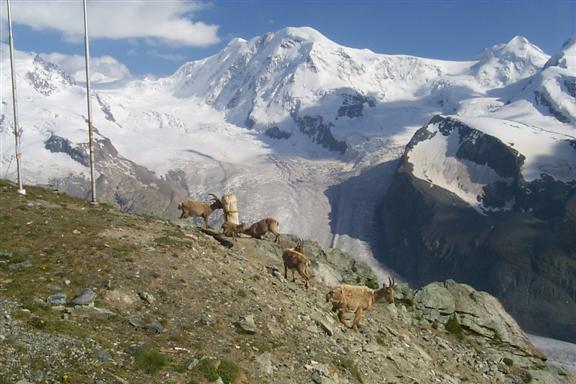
pixel 97 295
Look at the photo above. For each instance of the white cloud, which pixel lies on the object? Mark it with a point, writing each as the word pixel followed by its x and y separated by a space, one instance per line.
pixel 169 22
pixel 103 69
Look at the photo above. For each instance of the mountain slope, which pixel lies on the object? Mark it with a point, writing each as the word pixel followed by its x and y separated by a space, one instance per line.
pixel 173 305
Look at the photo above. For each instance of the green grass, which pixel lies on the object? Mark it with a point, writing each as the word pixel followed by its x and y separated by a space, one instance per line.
pixel 454 327
pixel 228 371
pixel 350 366
pixel 149 360
pixel 205 369
pixel 527 377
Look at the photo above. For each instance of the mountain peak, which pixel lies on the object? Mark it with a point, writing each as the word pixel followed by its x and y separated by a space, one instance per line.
pixel 566 58
pixel 506 63
pixel 518 41
pixel 306 33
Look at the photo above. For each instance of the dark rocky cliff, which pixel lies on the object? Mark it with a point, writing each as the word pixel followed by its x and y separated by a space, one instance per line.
pixel 524 254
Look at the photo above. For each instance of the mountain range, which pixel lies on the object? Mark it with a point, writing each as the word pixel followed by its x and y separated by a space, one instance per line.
pixel 390 157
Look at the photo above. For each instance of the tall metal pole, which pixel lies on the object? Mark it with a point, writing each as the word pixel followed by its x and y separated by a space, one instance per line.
pixel 21 189
pixel 90 134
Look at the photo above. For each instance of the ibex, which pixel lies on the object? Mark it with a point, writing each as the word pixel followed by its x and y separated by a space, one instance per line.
pixel 262 227
pixel 295 259
pixel 357 299
pixel 193 208
pixel 231 229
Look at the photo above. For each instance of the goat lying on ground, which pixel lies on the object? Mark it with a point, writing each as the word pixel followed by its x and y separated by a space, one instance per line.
pixel 295 259
pixel 232 230
pixel 357 299
pixel 262 227
pixel 193 208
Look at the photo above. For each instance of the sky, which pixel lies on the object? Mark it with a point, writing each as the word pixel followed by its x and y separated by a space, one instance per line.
pixel 134 38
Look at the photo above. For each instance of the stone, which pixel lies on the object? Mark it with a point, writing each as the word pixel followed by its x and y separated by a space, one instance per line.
pixel 20 266
pixel 147 297
pixel 246 324
pixel 87 296
pixel 265 363
pixel 103 355
pixel 325 324
pixel 57 299
pixel 436 297
pixel 92 312
pixel 154 326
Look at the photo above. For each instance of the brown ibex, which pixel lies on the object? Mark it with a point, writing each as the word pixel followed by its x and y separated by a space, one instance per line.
pixel 295 259
pixel 262 227
pixel 357 299
pixel 193 208
pixel 231 229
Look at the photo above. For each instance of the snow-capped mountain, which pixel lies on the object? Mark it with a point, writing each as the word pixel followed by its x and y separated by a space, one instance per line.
pixel 301 128
pixel 504 64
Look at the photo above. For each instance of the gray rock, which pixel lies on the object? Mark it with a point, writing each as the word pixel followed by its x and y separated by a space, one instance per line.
pixel 246 324
pixel 435 296
pixel 57 299
pixel 265 363
pixel 147 297
pixel 87 296
pixel 92 312
pixel 324 323
pixel 103 355
pixel 20 266
pixel 152 327
pixel 476 311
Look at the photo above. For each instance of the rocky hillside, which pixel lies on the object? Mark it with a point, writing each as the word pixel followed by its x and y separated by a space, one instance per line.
pixel 89 294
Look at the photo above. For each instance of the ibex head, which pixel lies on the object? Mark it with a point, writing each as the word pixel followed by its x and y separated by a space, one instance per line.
pixel 300 246
pixel 215 202
pixel 387 292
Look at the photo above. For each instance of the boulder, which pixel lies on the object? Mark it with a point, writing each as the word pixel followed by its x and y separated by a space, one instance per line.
pixel 478 312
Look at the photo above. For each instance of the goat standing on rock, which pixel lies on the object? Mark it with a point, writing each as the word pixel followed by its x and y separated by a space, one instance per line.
pixel 357 299
pixel 295 259
pixel 262 227
pixel 193 208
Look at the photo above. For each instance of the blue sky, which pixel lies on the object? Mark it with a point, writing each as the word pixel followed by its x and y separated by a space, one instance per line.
pixel 156 37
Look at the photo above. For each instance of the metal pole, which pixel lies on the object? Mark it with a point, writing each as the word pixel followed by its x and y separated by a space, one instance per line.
pixel 90 134
pixel 21 189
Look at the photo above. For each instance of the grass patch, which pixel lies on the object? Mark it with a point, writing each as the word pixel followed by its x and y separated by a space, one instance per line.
pixel 527 377
pixel 228 371
pixel 205 369
pixel 210 370
pixel 508 361
pixel 454 327
pixel 242 293
pixel 380 340
pixel 350 366
pixel 124 248
pixel 149 360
